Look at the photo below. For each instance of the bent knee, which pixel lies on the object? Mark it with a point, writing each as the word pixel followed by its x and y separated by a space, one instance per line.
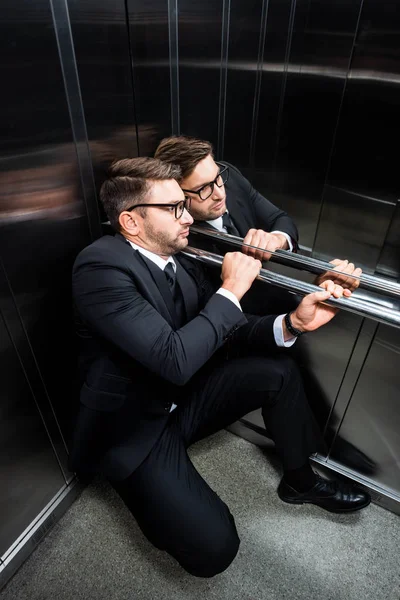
pixel 216 556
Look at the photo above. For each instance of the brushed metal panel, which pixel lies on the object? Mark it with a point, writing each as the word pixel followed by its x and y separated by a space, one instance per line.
pixel 67 60
pixel 200 46
pixel 149 39
pixel 301 95
pixel 353 224
pixel 246 42
pixel 274 67
pixel 43 216
pixel 38 529
pixel 101 45
pixel 372 419
pixel 389 260
pixel 29 471
pixel 364 160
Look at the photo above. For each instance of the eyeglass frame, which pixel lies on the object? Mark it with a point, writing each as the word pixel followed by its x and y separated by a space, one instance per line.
pixel 211 183
pixel 186 206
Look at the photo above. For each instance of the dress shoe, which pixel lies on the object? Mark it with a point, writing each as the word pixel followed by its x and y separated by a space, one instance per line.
pixel 335 496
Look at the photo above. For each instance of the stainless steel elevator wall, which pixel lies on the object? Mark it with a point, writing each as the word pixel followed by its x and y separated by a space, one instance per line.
pixel 48 212
pixel 302 96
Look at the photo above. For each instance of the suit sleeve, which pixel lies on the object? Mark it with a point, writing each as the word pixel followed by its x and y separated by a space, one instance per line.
pixel 266 215
pixel 256 336
pixel 108 301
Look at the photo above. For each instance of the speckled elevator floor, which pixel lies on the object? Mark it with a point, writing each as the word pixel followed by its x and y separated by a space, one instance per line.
pixel 97 551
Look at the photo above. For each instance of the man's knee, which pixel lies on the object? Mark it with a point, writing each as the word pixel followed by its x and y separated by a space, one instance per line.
pixel 214 555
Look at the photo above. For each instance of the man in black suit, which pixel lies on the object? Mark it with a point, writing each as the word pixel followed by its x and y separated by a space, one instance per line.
pixel 221 198
pixel 225 200
pixel 167 359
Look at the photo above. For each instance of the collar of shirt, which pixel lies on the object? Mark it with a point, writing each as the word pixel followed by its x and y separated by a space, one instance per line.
pixel 155 258
pixel 217 223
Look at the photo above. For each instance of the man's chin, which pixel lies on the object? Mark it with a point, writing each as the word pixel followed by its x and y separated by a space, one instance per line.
pixel 179 245
pixel 217 213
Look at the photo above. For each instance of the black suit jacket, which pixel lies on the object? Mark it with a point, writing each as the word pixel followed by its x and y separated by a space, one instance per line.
pixel 249 209
pixel 134 361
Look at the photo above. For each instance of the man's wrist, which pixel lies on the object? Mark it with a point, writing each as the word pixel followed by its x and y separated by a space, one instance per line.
pixel 283 243
pixel 293 324
pixel 233 287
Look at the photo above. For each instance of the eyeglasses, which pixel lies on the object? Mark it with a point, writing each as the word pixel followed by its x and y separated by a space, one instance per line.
pixel 176 207
pixel 207 189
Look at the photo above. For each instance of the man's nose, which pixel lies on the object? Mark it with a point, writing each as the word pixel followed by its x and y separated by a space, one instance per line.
pixel 187 217
pixel 218 193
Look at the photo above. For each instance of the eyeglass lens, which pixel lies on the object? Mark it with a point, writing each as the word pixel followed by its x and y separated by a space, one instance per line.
pixel 220 180
pixel 180 207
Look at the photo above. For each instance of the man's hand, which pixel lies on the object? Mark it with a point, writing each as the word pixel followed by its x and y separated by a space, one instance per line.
pixel 339 275
pixel 310 314
pixel 264 241
pixel 239 272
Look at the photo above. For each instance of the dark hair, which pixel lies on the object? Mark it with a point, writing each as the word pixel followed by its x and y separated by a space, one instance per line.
pixel 184 151
pixel 129 181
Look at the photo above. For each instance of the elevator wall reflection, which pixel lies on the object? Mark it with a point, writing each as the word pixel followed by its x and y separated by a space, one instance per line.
pixel 301 96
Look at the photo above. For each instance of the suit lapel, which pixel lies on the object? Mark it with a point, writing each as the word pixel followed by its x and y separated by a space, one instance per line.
pixel 152 283
pixel 150 280
pixel 236 212
pixel 161 283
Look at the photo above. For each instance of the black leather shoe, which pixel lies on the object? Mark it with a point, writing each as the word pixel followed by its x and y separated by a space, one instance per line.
pixel 335 496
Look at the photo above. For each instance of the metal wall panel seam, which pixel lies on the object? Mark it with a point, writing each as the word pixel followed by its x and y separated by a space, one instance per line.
pixel 389 227
pixel 257 88
pixel 332 410
pixel 174 65
pixel 337 125
pixel 63 33
pixel 354 387
pixel 284 79
pixel 226 14
pixel 52 513
pixel 132 72
pixel 56 424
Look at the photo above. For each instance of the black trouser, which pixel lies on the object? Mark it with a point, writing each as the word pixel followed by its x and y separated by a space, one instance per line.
pixel 173 505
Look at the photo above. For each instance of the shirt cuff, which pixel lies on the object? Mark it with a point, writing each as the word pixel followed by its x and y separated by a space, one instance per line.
pixel 278 334
pixel 289 239
pixel 230 295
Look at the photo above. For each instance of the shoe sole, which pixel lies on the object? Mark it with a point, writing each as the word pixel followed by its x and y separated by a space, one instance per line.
pixel 332 510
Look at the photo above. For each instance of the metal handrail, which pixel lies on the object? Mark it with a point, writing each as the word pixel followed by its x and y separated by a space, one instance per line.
pixel 353 304
pixel 307 263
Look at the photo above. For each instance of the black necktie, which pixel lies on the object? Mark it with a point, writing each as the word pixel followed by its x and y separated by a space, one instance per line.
pixel 228 224
pixel 171 278
pixel 176 292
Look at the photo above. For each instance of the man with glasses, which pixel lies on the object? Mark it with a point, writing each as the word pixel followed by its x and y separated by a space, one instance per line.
pixel 225 200
pixel 167 359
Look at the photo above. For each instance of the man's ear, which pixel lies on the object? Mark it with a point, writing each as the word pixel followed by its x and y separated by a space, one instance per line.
pixel 130 222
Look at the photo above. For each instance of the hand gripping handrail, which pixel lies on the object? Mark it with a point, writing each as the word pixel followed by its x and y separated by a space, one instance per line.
pixel 353 304
pixel 306 263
